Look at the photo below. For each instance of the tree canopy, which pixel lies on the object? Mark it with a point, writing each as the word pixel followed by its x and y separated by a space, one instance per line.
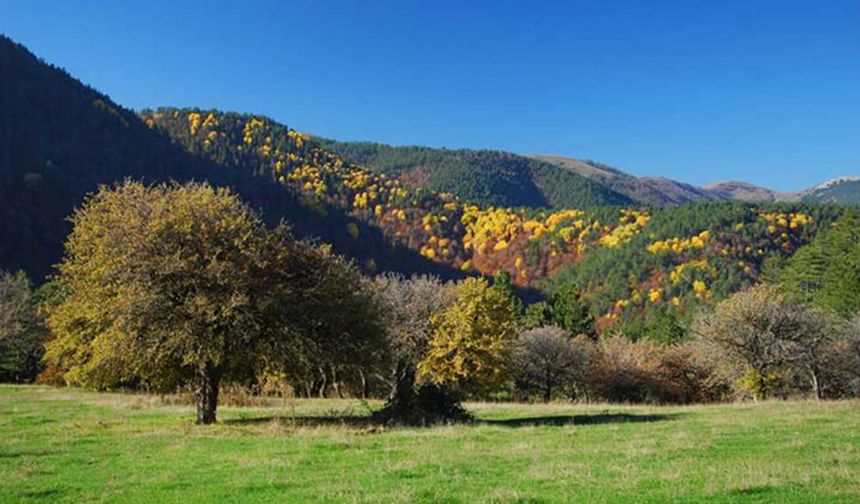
pixel 175 284
pixel 472 339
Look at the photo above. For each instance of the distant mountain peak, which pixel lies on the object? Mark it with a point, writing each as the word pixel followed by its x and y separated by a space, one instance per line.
pixel 834 182
pixel 842 190
pixel 664 191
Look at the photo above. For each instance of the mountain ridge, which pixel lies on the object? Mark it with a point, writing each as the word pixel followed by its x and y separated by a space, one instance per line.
pixel 669 191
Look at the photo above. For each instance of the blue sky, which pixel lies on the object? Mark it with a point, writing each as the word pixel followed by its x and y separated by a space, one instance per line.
pixel 762 91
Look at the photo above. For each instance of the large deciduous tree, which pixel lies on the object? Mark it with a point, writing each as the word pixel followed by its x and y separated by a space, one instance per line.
pixel 335 310
pixel 172 284
pixel 408 306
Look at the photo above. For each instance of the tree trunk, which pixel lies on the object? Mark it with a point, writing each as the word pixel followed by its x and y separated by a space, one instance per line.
pixel 364 384
pixel 207 394
pixel 816 385
pixel 403 391
pixel 335 382
pixel 547 390
pixel 323 384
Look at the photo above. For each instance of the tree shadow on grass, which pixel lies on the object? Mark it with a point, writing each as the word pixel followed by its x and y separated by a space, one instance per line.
pixel 49 494
pixel 593 419
pixel 27 453
pixel 357 421
pixel 306 421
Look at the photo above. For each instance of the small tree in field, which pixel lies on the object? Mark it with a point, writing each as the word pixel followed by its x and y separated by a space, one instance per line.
pixel 472 339
pixel 168 285
pixel 768 336
pixel 408 305
pixel 545 360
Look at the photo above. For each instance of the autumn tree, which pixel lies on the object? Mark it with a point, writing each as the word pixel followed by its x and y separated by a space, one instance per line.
pixel 472 339
pixel 408 307
pixel 768 337
pixel 21 330
pixel 545 360
pixel 170 284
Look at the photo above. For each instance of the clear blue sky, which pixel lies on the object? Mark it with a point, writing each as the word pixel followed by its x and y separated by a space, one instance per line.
pixel 762 91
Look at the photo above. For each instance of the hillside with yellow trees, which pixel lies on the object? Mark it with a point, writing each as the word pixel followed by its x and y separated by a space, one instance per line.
pixel 60 140
pixel 477 213
pixel 623 260
pixel 529 243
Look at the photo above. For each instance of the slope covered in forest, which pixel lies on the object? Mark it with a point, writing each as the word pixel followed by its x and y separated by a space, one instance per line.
pixel 482 176
pixel 60 139
pixel 548 227
pixel 625 260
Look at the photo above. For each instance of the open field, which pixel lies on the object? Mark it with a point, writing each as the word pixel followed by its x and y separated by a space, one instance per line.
pixel 67 445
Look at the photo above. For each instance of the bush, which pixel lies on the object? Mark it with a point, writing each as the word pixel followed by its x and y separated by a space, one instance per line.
pixel 546 361
pixel 841 367
pixel 646 371
pixel 775 345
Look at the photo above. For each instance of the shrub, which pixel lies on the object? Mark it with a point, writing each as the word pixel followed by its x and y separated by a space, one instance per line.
pixel 546 361
pixel 776 345
pixel 646 371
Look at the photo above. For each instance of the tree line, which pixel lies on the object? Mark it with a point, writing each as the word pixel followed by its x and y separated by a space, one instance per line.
pixel 175 285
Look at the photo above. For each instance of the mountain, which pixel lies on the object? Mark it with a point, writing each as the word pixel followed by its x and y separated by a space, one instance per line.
pixel 60 140
pixel 648 190
pixel 741 191
pixel 505 179
pixel 473 237
pixel 843 190
pixel 663 191
pixel 482 176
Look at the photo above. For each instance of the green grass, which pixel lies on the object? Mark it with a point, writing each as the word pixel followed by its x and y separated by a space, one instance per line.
pixel 68 445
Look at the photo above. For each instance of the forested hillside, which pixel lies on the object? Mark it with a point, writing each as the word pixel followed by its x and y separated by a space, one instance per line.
pixel 531 243
pixel 827 271
pixel 646 190
pixel 60 139
pixel 417 210
pixel 844 191
pixel 482 176
pixel 625 261
pixel 691 255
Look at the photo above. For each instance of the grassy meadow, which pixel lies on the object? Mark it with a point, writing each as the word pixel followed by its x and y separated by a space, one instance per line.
pixel 69 445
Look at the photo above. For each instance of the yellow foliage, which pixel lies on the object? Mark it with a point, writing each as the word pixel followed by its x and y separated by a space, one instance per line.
pixel 473 339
